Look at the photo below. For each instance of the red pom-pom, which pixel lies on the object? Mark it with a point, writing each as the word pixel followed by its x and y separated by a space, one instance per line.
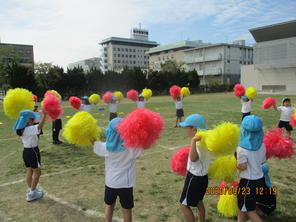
pixel 50 93
pixel 175 92
pixel 239 90
pixel 277 145
pixel 132 94
pixel 178 162
pixel 107 97
pixel 35 98
pixel 52 106
pixel 268 102
pixel 292 120
pixel 141 128
pixel 75 102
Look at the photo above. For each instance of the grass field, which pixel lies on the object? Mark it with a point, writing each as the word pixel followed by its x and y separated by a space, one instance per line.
pixel 74 177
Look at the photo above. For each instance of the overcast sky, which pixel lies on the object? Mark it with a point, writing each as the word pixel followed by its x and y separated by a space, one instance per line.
pixel 65 31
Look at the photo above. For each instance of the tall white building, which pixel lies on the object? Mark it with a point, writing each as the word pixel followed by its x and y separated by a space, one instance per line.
pixel 274 68
pixel 119 53
pixel 87 64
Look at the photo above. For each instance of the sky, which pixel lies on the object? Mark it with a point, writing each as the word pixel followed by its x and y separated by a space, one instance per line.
pixel 65 31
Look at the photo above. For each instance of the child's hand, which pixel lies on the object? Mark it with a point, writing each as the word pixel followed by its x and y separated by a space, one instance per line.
pixel 196 139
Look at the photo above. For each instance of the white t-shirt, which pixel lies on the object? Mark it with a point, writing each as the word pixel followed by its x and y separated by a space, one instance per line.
pixel 37 120
pixel 120 167
pixel 179 104
pixel 141 104
pixel 201 166
pixel 254 159
pixel 246 106
pixel 113 107
pixel 286 112
pixel 86 108
pixel 30 136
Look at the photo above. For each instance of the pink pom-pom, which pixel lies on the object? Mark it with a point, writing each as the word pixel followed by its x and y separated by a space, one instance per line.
pixel 49 93
pixel 107 97
pixel 239 90
pixel 178 162
pixel 175 92
pixel 141 128
pixel 75 102
pixel 293 120
pixel 268 102
pixel 132 94
pixel 52 106
pixel 277 145
pixel 35 98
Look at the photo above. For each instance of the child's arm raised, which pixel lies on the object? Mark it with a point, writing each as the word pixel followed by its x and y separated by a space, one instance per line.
pixel 100 148
pixel 42 121
pixel 193 154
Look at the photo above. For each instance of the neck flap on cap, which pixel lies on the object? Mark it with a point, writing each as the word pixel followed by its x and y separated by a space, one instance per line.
pixel 113 142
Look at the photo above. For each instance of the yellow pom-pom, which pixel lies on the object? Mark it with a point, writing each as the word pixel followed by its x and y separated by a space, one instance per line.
pixel 17 100
pixel 94 99
pixel 147 93
pixel 55 92
pixel 222 140
pixel 119 96
pixel 185 92
pixel 203 134
pixel 227 205
pixel 251 93
pixel 223 169
pixel 82 129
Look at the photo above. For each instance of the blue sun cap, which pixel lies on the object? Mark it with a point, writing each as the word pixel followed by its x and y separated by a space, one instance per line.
pixel 194 120
pixel 25 116
pixel 141 95
pixel 245 97
pixel 265 169
pixel 85 97
pixel 113 142
pixel 113 98
pixel 251 133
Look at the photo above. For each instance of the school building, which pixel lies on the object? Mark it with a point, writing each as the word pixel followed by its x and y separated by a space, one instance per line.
pixel 87 64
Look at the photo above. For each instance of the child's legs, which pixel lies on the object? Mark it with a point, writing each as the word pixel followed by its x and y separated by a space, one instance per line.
pixel 241 216
pixel 201 211
pixel 189 216
pixel 35 178
pixel 254 216
pixel 109 212
pixel 127 215
pixel 29 175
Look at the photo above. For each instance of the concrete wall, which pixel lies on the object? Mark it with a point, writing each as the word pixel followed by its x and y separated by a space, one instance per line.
pixel 155 60
pixel 282 80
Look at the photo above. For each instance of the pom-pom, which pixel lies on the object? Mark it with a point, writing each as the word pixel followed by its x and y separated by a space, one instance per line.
pixel 119 96
pixel 147 93
pixel 175 92
pixel 53 92
pixel 82 129
pixel 293 119
pixel 107 97
pixel 268 102
pixel 223 168
pixel 17 100
pixel 132 94
pixel 178 162
pixel 141 128
pixel 185 92
pixel 222 140
pixel 35 98
pixel 94 99
pixel 277 145
pixel 52 107
pixel 227 205
pixel 75 102
pixel 251 93
pixel 239 90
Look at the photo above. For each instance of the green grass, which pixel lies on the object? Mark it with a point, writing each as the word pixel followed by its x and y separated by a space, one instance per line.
pixel 157 191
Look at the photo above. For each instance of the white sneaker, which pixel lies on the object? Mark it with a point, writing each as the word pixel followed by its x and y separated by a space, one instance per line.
pixel 39 190
pixel 34 195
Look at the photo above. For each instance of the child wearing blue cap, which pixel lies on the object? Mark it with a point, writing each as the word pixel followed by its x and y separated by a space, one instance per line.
pixel 196 181
pixel 251 153
pixel 85 105
pixel 113 108
pixel 246 106
pixel 120 171
pixel 29 132
pixel 141 101
pixel 286 111
pixel 179 110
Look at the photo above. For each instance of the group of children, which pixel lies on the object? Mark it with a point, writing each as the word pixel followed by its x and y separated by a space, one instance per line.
pixel 120 173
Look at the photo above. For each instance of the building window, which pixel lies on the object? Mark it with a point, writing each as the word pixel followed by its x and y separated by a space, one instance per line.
pixel 228 61
pixel 126 50
pixel 240 62
pixel 114 55
pixel 118 49
pixel 131 62
pixel 118 61
pixel 126 56
pixel 134 50
pixel 130 50
pixel 114 49
pixel 134 56
pixel 134 62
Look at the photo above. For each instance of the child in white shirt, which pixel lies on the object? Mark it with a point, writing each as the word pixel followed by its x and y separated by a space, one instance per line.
pixel 85 105
pixel 179 110
pixel 120 171
pixel 246 106
pixel 141 101
pixel 113 108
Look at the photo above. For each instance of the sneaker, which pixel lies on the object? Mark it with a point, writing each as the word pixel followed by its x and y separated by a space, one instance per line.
pixel 37 189
pixel 34 195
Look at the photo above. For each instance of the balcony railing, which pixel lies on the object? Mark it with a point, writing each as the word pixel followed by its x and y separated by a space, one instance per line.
pixel 203 59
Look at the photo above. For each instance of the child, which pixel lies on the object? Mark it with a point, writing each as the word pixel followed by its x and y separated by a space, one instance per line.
pixel 141 101
pixel 266 203
pixel 113 107
pixel 56 128
pixel 179 110
pixel 196 181
pixel 85 105
pixel 286 111
pixel 246 106
pixel 29 132
pixel 250 155
pixel 37 120
pixel 120 171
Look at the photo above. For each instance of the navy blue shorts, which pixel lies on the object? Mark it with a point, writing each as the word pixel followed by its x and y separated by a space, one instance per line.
pixel 31 157
pixel 125 195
